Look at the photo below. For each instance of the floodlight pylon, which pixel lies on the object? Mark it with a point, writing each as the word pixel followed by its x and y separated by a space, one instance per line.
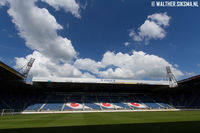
pixel 172 80
pixel 28 67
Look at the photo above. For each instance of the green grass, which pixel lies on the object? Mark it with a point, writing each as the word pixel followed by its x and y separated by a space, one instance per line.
pixel 173 121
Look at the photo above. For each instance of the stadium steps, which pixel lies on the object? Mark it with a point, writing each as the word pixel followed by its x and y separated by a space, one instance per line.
pixel 169 101
pixel 112 103
pixel 46 101
pixel 126 102
pixel 63 105
pixel 125 105
pixel 141 102
pixel 163 104
pixel 83 104
pixel 157 103
pixel 171 106
pixel 91 102
pixel 152 103
pixel 82 99
pixel 99 103
pixel 168 104
pixel 42 107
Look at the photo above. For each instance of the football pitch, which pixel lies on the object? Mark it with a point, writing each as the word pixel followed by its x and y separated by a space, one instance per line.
pixel 162 122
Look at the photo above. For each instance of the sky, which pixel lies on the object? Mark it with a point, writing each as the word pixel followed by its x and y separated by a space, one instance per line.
pixel 120 39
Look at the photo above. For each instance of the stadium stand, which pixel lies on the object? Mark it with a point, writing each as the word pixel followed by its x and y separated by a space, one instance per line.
pixel 91 102
pixel 95 101
pixel 54 102
pixel 45 96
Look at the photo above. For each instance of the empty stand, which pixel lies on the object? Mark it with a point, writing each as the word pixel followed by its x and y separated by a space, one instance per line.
pixel 95 101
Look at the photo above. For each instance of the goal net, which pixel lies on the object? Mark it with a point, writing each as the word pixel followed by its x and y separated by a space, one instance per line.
pixel 4 112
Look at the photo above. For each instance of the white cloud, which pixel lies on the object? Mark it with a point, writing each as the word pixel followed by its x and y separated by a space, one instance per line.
pixel 67 5
pixel 160 18
pixel 39 30
pixel 176 65
pixel 137 65
pixel 126 44
pixel 153 28
pixel 2 2
pixel 190 73
pixel 46 67
pixel 88 64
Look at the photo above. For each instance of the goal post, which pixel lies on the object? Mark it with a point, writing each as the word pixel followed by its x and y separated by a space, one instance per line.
pixel 4 112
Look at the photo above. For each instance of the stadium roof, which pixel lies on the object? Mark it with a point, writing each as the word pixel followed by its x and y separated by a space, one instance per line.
pixel 190 82
pixel 92 84
pixel 197 77
pixel 8 73
pixel 98 81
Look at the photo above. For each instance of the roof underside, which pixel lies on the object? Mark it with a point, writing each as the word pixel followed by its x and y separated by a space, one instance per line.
pixel 83 84
pixel 9 74
pixel 60 86
pixel 86 84
pixel 190 82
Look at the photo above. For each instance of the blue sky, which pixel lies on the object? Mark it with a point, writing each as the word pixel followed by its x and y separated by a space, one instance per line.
pixel 105 26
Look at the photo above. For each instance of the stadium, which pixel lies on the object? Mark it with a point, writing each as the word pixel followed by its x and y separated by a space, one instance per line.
pixel 95 66
pixel 116 105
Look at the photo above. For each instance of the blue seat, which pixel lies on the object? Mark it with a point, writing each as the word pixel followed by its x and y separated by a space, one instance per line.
pixel 34 106
pixel 53 106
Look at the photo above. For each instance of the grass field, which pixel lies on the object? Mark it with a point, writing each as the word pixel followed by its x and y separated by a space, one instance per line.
pixel 176 121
